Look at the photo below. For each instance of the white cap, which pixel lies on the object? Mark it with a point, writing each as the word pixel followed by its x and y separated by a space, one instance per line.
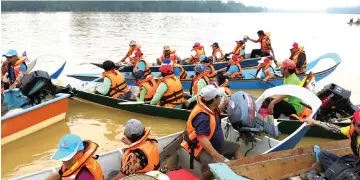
pixel 209 92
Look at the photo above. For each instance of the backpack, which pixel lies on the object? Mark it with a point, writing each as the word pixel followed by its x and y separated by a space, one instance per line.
pixel 345 168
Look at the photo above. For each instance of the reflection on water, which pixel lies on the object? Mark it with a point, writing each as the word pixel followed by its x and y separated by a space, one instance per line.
pixel 93 122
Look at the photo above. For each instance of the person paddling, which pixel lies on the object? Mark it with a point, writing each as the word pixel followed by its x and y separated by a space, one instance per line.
pixel 264 68
pixel 168 53
pixel 217 53
pixel 15 68
pixel 169 92
pixel 77 158
pixel 140 64
pixel 234 69
pixel 299 57
pixel 239 50
pixel 199 81
pixel 203 135
pixel 265 45
pixel 326 158
pixel 196 52
pixel 114 84
pixel 179 71
pixel 208 63
pixel 133 46
pixel 147 87
pixel 141 154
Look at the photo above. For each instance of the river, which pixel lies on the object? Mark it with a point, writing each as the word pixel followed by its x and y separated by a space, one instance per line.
pixel 82 38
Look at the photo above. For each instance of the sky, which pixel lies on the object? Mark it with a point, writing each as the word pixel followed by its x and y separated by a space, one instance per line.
pixel 317 5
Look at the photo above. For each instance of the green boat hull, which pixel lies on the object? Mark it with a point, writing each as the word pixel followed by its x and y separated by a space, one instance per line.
pixel 285 127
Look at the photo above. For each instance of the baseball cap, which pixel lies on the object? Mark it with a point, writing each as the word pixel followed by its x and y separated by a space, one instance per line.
pixel 69 145
pixel 166 47
pixel 166 69
pixel 264 59
pixel 201 68
pixel 132 43
pixel 215 44
pixel 356 117
pixel 133 127
pixel 10 53
pixel 197 44
pixel 240 42
pixel 295 45
pixel 209 92
pixel 290 64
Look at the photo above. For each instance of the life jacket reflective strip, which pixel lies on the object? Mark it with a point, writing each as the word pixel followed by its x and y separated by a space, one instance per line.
pixel 150 85
pixel 183 74
pixel 215 52
pixel 212 72
pixel 87 160
pixel 199 52
pixel 172 56
pixel 236 74
pixel 264 46
pixel 149 147
pixel 118 83
pixel 295 57
pixel 353 135
pixel 190 142
pixel 147 68
pixel 16 68
pixel 266 69
pixel 174 94
pixel 194 84
pixel 225 86
pixel 130 53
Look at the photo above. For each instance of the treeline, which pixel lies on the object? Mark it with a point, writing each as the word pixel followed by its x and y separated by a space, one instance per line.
pixel 128 6
pixel 346 10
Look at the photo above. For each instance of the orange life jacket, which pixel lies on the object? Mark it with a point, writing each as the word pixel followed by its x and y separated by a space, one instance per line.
pixel 353 135
pixel 150 85
pixel 147 67
pixel 16 67
pixel 236 74
pixel 118 83
pixel 295 57
pixel 199 52
pixel 172 56
pixel 212 72
pixel 87 160
pixel 225 86
pixel 130 53
pixel 149 147
pixel 264 46
pixel 237 51
pixel 174 94
pixel 215 51
pixel 195 81
pixel 266 69
pixel 190 142
pixel 183 74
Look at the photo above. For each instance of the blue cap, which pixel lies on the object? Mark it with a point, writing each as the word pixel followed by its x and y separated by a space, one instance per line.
pixel 167 61
pixel 69 145
pixel 202 58
pixel 201 68
pixel 10 53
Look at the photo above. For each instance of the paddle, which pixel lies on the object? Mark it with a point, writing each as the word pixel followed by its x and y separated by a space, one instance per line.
pixel 131 103
pixel 84 85
pixel 271 84
pixel 57 73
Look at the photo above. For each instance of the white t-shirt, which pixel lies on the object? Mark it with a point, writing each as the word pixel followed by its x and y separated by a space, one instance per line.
pixel 193 53
pixel 218 55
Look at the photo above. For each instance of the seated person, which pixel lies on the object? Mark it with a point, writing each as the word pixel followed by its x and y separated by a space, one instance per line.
pixel 265 69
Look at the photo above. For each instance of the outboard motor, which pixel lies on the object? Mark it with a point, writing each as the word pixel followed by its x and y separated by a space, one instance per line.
pixel 243 116
pixel 34 85
pixel 335 103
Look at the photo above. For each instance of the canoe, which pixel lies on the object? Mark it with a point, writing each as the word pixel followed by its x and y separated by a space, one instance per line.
pixel 248 82
pixel 19 122
pixel 110 161
pixel 282 164
pixel 286 126
pixel 248 62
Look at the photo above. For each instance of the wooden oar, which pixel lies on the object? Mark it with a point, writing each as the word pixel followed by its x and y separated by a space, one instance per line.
pixel 131 103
